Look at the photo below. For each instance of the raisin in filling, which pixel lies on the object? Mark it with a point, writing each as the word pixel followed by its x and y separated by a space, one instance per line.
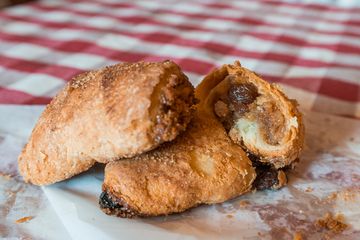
pixel 106 202
pixel 241 95
pixel 267 177
pixel 235 103
pixel 116 207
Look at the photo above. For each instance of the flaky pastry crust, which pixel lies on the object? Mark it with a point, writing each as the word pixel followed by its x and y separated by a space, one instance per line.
pixel 103 115
pixel 210 162
pixel 201 166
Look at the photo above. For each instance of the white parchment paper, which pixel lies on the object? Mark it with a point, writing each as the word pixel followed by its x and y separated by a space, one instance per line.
pixel 327 179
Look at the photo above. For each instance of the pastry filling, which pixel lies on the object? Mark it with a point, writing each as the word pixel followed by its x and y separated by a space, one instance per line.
pixel 243 107
pixel 114 206
pixel 174 108
pixel 267 177
pixel 249 116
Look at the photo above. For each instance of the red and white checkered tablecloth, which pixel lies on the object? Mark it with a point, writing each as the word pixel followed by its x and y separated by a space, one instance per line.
pixel 311 50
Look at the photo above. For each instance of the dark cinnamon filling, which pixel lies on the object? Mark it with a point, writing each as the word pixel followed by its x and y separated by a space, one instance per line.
pixel 267 177
pixel 271 122
pixel 115 206
pixel 106 202
pixel 174 113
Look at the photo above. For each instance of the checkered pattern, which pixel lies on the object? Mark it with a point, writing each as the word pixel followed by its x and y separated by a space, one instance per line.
pixel 311 50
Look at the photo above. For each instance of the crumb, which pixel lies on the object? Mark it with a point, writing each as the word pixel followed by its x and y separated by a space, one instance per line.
pixel 298 236
pixel 24 219
pixel 332 196
pixel 309 189
pixel 326 236
pixel 229 216
pixel 348 195
pixel 6 176
pixel 244 203
pixel 352 139
pixel 333 223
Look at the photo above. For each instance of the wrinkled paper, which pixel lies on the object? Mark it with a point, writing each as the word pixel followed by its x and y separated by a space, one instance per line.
pixel 327 179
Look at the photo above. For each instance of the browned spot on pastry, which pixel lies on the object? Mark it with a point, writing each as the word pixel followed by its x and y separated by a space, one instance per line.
pixel 116 206
pixel 107 79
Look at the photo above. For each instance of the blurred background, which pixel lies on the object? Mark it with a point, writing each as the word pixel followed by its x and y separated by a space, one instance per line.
pixel 310 48
pixel 6 3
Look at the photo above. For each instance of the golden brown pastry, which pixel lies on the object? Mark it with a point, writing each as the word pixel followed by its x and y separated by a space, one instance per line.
pixel 257 114
pixel 208 164
pixel 259 117
pixel 103 115
pixel 201 166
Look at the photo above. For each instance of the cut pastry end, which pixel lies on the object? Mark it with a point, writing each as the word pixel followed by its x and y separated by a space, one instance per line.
pixel 258 116
pixel 172 105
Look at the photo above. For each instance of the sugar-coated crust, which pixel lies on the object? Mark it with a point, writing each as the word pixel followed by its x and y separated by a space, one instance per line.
pixel 294 137
pixel 204 165
pixel 103 115
pixel 201 166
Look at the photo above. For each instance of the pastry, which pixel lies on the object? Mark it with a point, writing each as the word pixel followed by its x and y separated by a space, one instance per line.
pixel 201 166
pixel 244 134
pixel 256 114
pixel 103 115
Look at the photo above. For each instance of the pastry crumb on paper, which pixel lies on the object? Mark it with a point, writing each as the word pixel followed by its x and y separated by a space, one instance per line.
pixel 333 223
pixel 5 176
pixel 24 219
pixel 244 203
